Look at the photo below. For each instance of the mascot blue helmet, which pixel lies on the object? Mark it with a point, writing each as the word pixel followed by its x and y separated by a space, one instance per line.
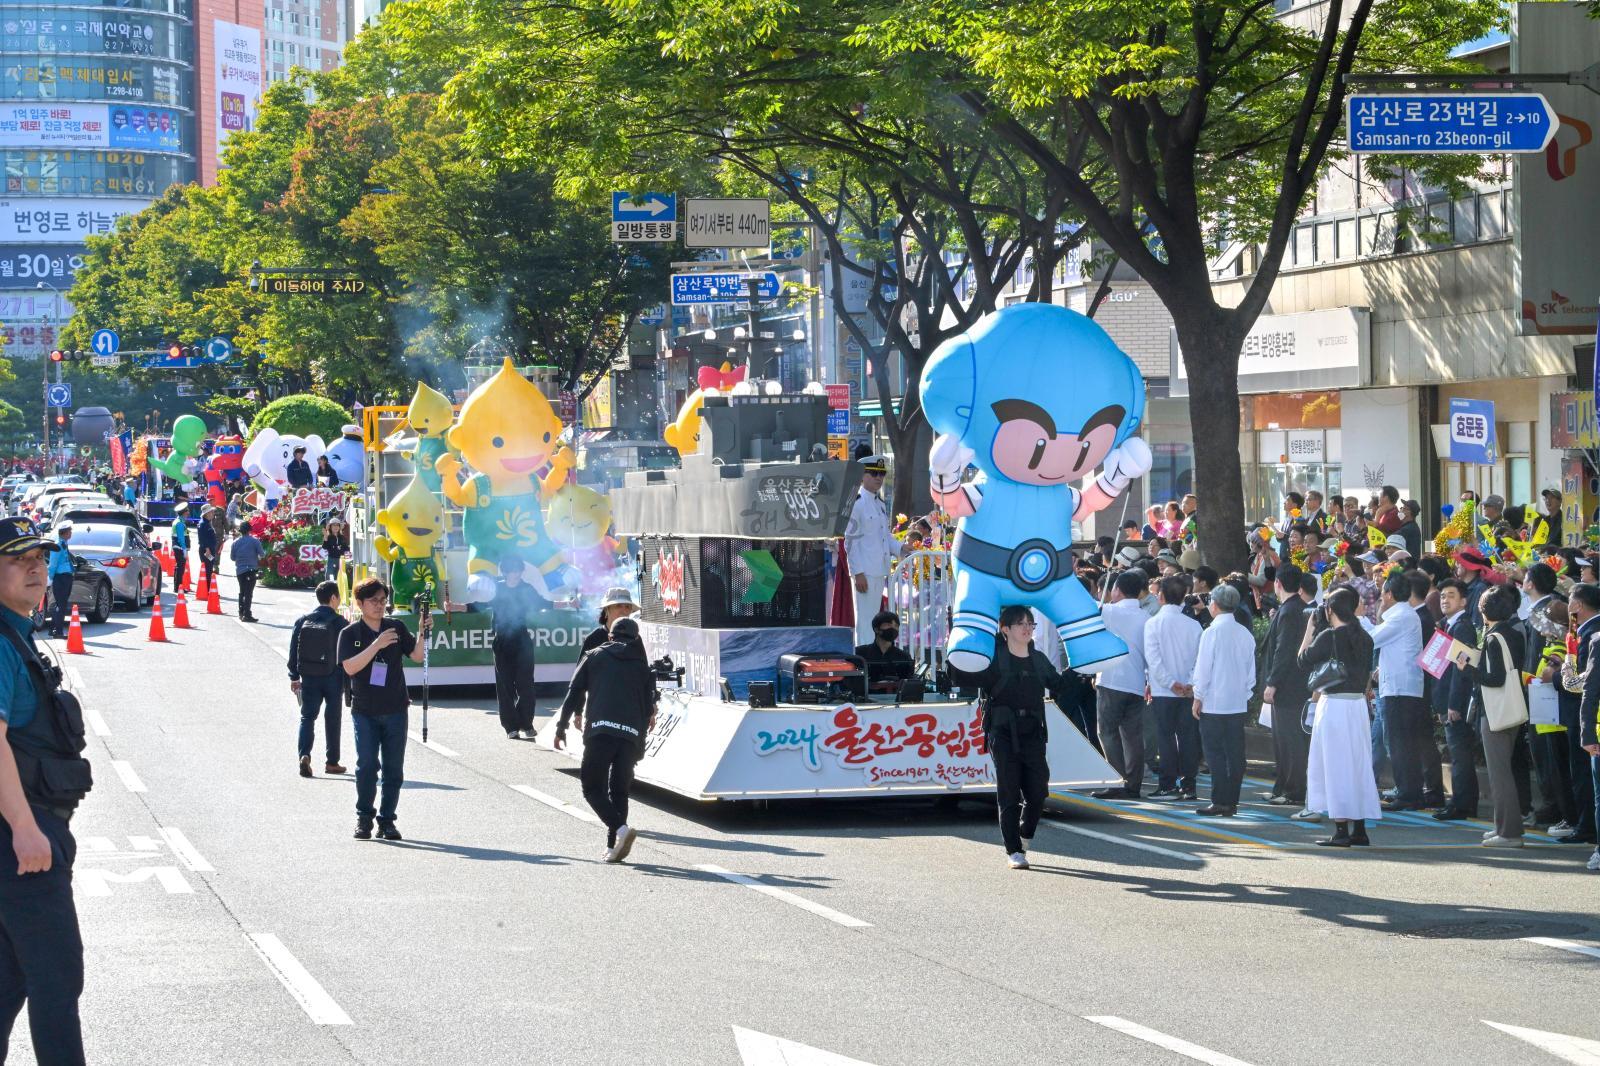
pixel 1043 365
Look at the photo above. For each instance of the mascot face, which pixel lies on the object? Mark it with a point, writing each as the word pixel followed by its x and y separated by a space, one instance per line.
pixel 1031 450
pixel 507 429
pixel 578 518
pixel 1039 392
pixel 684 432
pixel 430 412
pixel 414 520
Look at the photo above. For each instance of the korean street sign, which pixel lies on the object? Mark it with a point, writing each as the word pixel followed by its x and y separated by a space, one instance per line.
pixel 1449 123
pixel 293 285
pixel 723 223
pixel 645 207
pixel 722 288
pixel 643 232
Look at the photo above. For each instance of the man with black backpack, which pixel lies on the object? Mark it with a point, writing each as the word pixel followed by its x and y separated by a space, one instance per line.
pixel 1014 687
pixel 313 658
pixel 43 777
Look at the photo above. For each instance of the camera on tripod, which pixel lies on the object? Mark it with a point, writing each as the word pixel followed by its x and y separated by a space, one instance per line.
pixel 664 670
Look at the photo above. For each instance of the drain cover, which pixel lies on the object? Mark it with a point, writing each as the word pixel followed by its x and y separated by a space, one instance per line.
pixel 1489 930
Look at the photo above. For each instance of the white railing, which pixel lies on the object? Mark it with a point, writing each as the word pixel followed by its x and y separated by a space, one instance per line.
pixel 920 592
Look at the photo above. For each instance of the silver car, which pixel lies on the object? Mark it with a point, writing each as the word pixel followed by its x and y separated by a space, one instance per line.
pixel 122 553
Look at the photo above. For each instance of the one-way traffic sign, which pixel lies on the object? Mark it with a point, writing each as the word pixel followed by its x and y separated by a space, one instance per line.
pixel 646 207
pixel 1452 123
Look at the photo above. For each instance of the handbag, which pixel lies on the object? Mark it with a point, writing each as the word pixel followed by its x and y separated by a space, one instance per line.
pixel 1329 674
pixel 1506 707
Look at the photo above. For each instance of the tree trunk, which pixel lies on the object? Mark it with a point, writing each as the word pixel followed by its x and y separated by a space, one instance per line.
pixel 912 495
pixel 1211 357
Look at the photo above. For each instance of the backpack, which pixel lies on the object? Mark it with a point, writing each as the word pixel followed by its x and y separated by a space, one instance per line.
pixel 1009 716
pixel 319 646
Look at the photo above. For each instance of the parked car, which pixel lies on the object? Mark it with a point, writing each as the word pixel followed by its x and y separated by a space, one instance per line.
pixel 13 484
pixel 98 515
pixel 43 501
pixel 122 553
pixel 72 501
pixel 92 593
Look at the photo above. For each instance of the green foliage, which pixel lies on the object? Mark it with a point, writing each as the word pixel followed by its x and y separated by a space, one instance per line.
pixel 302 415
pixel 240 408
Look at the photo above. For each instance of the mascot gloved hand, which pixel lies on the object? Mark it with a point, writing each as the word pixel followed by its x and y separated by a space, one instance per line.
pixel 1036 397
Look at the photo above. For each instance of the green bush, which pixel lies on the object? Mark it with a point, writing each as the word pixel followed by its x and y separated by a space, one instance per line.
pixel 301 415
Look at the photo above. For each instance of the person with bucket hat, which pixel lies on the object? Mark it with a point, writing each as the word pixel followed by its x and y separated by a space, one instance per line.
pixel 43 777
pixel 618 602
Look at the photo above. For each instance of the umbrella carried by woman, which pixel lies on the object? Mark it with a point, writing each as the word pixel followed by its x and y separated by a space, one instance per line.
pixel 1337 654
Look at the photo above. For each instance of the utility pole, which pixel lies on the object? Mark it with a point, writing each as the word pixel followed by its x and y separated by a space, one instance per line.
pixel 44 389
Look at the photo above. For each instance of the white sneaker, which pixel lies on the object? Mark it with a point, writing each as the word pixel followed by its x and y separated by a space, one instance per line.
pixel 1530 821
pixel 1489 834
pixel 1018 861
pixel 1493 841
pixel 1594 861
pixel 528 734
pixel 624 844
pixel 1561 828
pixel 1306 814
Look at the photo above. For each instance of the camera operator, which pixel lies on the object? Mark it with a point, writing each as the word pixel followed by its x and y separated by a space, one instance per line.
pixel 43 777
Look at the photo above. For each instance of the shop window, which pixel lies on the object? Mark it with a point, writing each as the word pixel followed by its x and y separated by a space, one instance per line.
pixel 1491 216
pixel 1465 227
pixel 1349 247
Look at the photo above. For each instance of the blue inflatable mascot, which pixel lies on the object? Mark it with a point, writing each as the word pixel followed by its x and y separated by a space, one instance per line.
pixel 1036 396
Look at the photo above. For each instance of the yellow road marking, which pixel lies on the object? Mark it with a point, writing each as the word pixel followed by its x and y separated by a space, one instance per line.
pixel 1198 830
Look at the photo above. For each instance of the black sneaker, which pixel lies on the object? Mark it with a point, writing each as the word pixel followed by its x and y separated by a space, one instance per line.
pixel 1188 794
pixel 1164 793
pixel 389 832
pixel 363 830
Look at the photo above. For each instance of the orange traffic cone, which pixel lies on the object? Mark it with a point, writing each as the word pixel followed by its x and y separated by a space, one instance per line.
pixel 158 625
pixel 75 634
pixel 180 614
pixel 214 603
pixel 166 560
pixel 202 586
pixel 183 586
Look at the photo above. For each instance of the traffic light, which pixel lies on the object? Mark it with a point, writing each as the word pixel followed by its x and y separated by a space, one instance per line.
pixel 61 420
pixel 68 355
pixel 175 351
pixel 57 355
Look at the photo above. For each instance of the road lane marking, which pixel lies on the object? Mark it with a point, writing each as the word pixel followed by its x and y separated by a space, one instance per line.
pixel 1124 842
pixel 311 996
pixel 1564 945
pixel 761 1049
pixel 561 805
pixel 97 724
pixel 1169 823
pixel 185 851
pixel 1566 1048
pixel 1171 1043
pixel 130 780
pixel 837 917
pixel 143 843
pixel 98 882
pixel 435 745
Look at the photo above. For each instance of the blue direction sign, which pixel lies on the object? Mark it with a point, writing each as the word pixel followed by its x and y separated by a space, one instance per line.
pixel 721 288
pixel 218 349
pixel 105 342
pixel 1449 123
pixel 58 394
pixel 646 207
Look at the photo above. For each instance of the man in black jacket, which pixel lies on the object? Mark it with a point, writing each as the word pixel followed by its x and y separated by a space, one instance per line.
pixel 613 697
pixel 1452 697
pixel 1286 689
pixel 315 677
pixel 515 608
pixel 298 472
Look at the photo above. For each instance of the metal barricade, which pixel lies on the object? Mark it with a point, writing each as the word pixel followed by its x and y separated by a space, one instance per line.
pixel 920 593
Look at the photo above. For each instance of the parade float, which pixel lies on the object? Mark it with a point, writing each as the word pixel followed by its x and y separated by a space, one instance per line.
pixel 446 490
pixel 735 566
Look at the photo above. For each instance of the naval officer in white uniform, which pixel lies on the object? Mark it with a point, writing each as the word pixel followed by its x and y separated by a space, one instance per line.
pixel 870 545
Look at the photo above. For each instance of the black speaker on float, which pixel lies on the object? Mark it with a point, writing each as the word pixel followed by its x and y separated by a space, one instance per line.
pixel 763 694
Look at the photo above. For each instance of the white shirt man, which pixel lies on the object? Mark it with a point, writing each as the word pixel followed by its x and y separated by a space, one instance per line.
pixel 1224 679
pixel 1171 642
pixel 870 546
pixel 1401 710
pixel 1120 691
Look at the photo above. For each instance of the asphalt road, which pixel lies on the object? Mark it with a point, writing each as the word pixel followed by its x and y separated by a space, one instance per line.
pixel 230 918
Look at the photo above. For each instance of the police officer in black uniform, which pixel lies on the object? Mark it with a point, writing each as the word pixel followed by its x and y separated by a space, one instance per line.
pixel 887 663
pixel 1014 687
pixel 43 777
pixel 514 605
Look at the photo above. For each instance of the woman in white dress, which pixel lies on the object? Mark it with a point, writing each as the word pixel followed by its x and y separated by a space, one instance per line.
pixel 1339 777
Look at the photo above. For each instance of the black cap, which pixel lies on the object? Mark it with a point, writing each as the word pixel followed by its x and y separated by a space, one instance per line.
pixel 625 628
pixel 20 535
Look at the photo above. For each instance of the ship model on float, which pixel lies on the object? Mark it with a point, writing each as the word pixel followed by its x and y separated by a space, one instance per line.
pixel 733 576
